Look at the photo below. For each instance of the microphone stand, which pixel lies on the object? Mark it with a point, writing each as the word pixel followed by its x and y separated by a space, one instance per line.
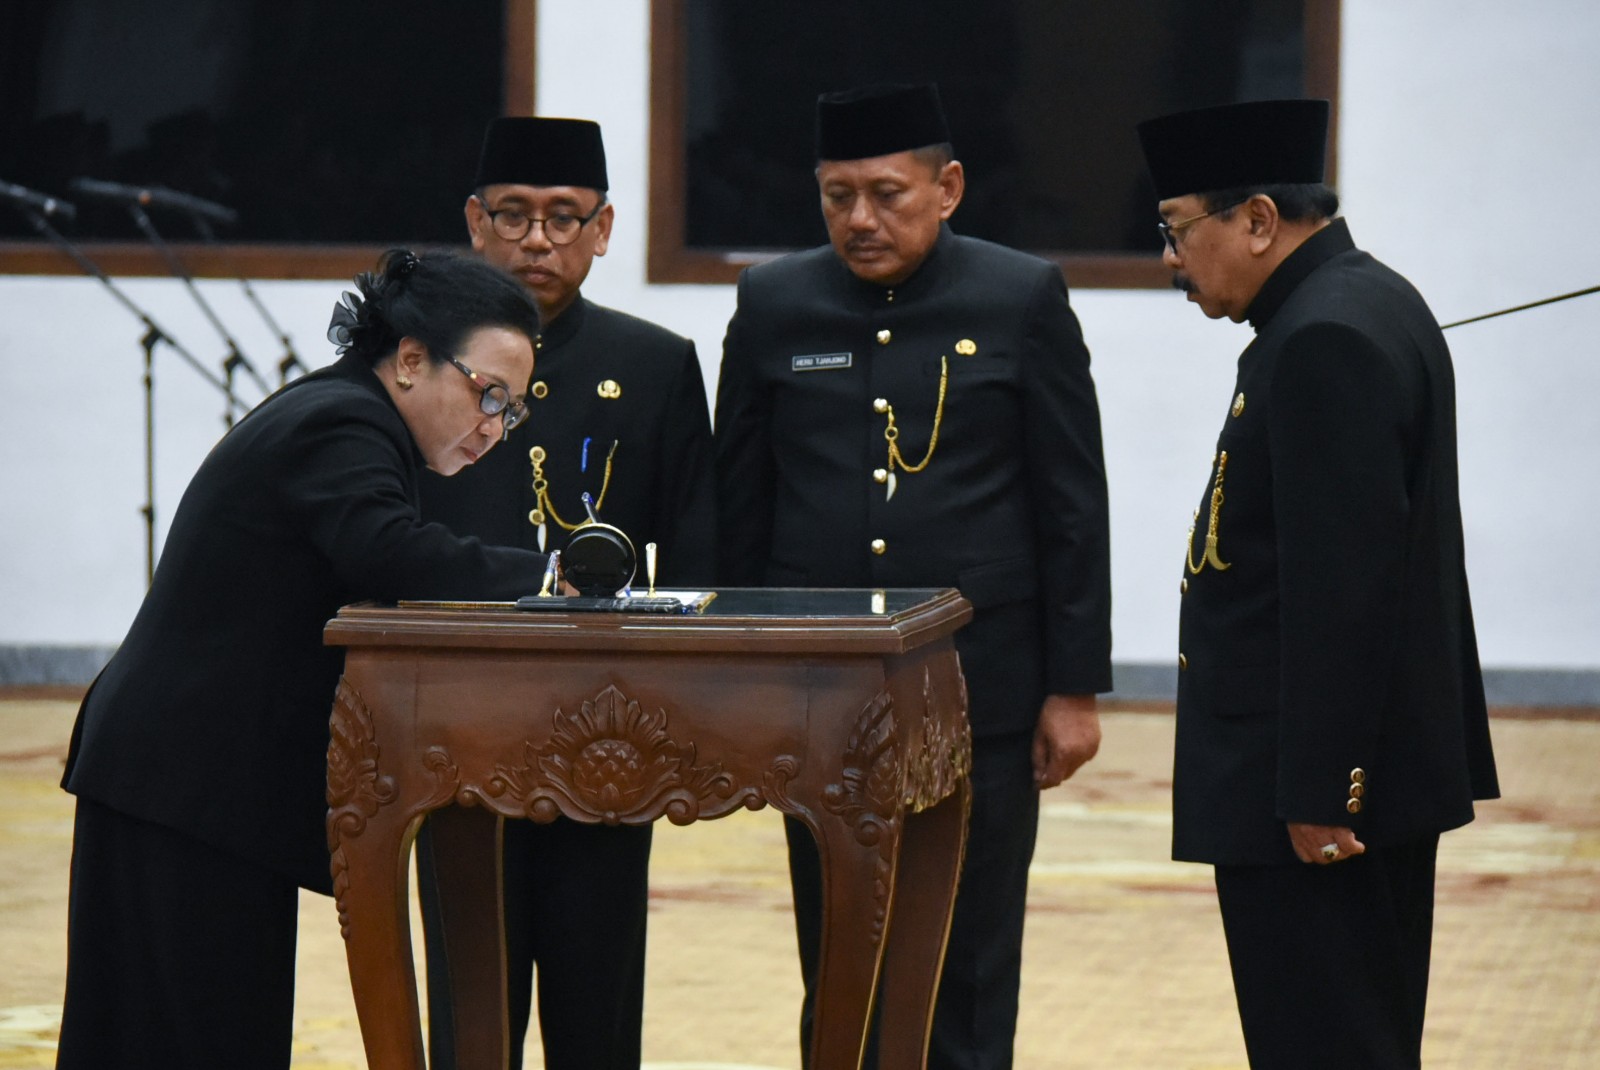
pixel 152 337
pixel 291 360
pixel 235 358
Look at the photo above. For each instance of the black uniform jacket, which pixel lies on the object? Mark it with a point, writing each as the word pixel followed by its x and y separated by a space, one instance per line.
pixel 1011 507
pixel 656 419
pixel 212 717
pixel 1327 628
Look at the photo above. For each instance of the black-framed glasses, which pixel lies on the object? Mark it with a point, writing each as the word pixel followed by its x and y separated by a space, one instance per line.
pixel 562 228
pixel 1169 231
pixel 495 400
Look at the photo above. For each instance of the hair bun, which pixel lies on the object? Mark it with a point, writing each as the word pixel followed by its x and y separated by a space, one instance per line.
pixel 400 262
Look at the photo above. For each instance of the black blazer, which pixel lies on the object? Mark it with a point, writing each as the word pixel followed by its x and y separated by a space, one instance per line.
pixel 212 717
pixel 1339 635
pixel 1011 508
pixel 661 477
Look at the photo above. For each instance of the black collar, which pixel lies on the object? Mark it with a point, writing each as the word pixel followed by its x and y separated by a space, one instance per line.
pixel 920 281
pixel 358 371
pixel 1315 251
pixel 561 330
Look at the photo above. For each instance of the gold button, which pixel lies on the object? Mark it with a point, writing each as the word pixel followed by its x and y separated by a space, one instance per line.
pixel 1183 663
pixel 1353 806
pixel 1356 791
pixel 1238 404
pixel 966 347
pixel 1358 776
pixel 609 388
pixel 880 404
pixel 540 389
pixel 884 337
pixel 879 546
pixel 880 475
pixel 536 455
pixel 1183 585
pixel 536 516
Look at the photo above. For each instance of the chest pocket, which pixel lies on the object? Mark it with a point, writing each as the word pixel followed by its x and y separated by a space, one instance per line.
pixel 981 392
pixel 970 369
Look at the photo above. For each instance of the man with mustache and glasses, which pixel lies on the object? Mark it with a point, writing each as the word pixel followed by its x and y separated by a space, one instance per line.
pixel 910 408
pixel 617 410
pixel 1331 719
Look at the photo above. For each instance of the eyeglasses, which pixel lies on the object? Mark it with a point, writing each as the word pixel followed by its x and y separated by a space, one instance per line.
pixel 1169 231
pixel 495 400
pixel 562 228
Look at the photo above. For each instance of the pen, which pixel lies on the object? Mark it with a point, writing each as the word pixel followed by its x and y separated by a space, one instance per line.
pixel 551 565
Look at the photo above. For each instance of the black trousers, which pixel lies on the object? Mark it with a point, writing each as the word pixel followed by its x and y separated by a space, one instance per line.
pixel 975 1019
pixel 1330 963
pixel 576 898
pixel 179 956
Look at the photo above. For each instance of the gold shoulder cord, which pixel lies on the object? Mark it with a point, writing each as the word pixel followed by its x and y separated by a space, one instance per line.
pixel 541 490
pixel 1210 556
pixel 891 433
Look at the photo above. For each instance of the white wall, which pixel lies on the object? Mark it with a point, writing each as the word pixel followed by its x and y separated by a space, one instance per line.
pixel 1467 158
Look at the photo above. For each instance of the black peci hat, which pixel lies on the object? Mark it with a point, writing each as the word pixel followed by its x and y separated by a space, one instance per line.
pixel 877 120
pixel 1263 142
pixel 534 151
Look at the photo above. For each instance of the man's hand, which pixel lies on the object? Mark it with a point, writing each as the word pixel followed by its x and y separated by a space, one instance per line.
pixel 1309 841
pixel 1068 735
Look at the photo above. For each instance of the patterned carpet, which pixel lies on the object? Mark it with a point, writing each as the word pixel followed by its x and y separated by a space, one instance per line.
pixel 1125 966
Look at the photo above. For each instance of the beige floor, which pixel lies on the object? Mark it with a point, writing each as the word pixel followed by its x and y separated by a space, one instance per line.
pixel 1125 966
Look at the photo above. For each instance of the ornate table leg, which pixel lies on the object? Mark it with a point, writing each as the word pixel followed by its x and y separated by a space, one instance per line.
pixel 370 887
pixel 467 872
pixel 857 877
pixel 930 702
pixel 857 828
pixel 370 830
pixel 925 893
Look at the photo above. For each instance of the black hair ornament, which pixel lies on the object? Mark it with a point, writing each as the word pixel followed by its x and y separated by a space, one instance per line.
pixel 348 324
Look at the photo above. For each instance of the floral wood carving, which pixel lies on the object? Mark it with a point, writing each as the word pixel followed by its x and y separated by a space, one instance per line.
pixel 945 756
pixel 355 789
pixel 869 792
pixel 614 761
pixel 775 781
pixel 868 795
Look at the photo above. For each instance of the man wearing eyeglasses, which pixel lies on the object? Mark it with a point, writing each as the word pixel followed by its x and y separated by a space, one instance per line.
pixel 617 410
pixel 906 407
pixel 1330 720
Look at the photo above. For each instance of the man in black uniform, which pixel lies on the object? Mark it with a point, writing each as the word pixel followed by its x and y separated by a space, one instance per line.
pixel 909 408
pixel 1331 717
pixel 618 411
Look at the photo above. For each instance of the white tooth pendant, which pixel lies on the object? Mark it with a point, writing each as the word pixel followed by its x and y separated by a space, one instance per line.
pixel 890 495
pixel 543 530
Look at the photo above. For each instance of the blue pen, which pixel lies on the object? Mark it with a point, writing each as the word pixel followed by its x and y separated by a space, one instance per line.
pixel 584 464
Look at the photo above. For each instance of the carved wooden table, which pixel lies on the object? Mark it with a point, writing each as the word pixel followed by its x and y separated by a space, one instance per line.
pixel 845 709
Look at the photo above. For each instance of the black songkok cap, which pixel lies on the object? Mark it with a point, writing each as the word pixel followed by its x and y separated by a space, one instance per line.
pixel 877 120
pixel 543 152
pixel 1264 142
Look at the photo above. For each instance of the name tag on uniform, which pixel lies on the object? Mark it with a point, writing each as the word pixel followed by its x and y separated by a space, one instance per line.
pixel 818 362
